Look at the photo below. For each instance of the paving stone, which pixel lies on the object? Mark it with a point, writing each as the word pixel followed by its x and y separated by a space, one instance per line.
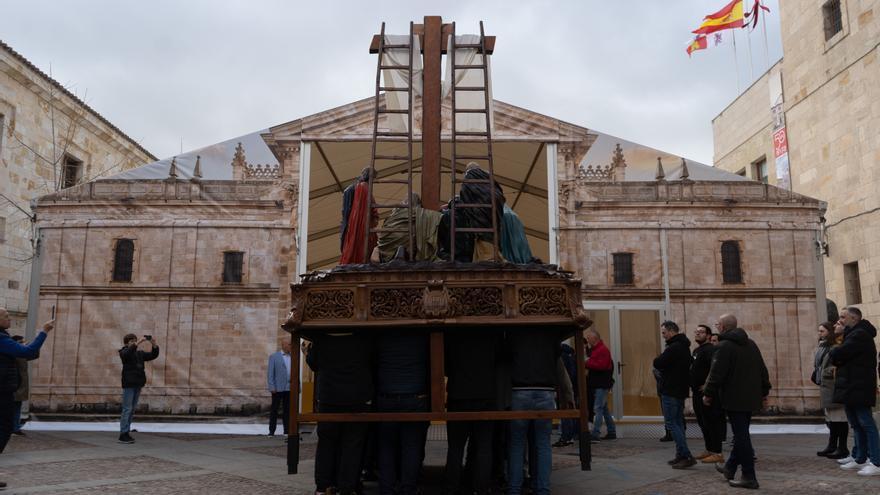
pixel 53 473
pixel 214 484
pixel 35 441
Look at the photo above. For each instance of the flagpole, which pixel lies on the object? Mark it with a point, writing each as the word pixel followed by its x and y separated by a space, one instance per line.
pixel 735 59
pixel 751 64
pixel 764 28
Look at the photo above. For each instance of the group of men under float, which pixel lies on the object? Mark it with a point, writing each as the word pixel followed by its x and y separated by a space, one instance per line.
pixel 388 371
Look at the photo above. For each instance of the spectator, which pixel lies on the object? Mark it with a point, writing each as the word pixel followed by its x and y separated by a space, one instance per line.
pixel 674 365
pixel 9 376
pixel 739 379
pixel 278 373
pixel 830 336
pixel 570 427
pixel 600 382
pixel 343 365
pixel 21 394
pixel 133 379
pixel 856 388
pixel 710 419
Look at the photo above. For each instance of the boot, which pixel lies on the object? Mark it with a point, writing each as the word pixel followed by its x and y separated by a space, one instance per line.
pixel 841 451
pixel 667 437
pixel 832 440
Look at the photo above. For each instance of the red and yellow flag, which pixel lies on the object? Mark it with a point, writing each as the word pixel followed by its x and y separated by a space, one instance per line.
pixel 729 17
pixel 698 43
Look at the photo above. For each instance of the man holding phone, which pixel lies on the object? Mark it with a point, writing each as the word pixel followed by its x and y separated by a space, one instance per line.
pixel 133 378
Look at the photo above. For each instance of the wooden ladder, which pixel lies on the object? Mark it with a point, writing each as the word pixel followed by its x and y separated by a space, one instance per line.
pixel 392 136
pixel 480 137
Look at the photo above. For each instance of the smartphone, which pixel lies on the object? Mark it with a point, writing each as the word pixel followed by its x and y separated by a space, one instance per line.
pixel 53 312
pixel 148 337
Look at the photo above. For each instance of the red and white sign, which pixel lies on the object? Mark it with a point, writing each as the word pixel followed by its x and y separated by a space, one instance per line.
pixel 780 143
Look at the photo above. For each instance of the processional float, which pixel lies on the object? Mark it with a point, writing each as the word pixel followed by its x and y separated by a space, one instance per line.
pixel 434 296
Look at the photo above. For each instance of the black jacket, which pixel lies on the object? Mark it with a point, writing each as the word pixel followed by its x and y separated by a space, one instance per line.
pixel 674 365
pixel 471 360
pixel 532 353
pixel 856 361
pixel 343 364
pixel 133 375
pixel 700 366
pixel 738 376
pixel 402 362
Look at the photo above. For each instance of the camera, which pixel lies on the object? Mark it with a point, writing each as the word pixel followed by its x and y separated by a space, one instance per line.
pixel 148 337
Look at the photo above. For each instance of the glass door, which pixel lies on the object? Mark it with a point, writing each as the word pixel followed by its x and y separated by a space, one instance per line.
pixel 631 330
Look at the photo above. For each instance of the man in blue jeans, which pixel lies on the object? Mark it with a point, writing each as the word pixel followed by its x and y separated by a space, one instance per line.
pixel 133 379
pixel 533 354
pixel 674 365
pixel 855 386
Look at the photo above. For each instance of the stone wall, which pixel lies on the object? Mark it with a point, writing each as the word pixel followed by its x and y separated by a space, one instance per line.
pixel 776 231
pixel 30 102
pixel 215 338
pixel 832 110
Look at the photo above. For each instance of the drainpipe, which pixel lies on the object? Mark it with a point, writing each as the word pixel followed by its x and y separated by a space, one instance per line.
pixel 664 257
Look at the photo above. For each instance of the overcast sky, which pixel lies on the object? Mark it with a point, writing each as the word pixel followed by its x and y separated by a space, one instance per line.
pixel 207 71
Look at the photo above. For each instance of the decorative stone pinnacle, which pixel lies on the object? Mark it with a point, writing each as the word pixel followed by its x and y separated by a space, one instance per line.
pixel 660 174
pixel 197 171
pixel 172 170
pixel 684 170
pixel 239 160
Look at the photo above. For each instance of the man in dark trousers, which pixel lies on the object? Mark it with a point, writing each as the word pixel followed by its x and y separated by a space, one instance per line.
pixel 710 419
pixel 10 351
pixel 599 383
pixel 855 386
pixel 342 363
pixel 133 379
pixel 674 365
pixel 278 379
pixel 738 378
pixel 471 358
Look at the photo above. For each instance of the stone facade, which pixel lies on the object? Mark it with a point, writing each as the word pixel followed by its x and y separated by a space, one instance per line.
pixel 214 336
pixel 30 103
pixel 776 232
pixel 832 112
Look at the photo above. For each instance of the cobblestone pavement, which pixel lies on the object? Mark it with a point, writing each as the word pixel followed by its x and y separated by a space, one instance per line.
pixel 158 464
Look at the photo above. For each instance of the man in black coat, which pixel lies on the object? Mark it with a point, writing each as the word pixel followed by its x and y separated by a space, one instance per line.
pixel 710 419
pixel 738 378
pixel 133 379
pixel 855 386
pixel 674 365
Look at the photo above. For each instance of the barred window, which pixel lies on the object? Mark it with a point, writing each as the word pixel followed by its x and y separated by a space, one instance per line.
pixel 233 262
pixel 731 267
pixel 832 18
pixel 123 260
pixel 623 268
pixel 72 172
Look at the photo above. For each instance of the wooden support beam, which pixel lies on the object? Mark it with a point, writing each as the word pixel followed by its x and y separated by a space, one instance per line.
pixel 294 419
pixel 440 416
pixel 438 384
pixel 431 109
pixel 584 441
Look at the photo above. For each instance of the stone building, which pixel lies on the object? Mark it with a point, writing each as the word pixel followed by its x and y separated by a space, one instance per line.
pixel 34 163
pixel 200 255
pixel 827 98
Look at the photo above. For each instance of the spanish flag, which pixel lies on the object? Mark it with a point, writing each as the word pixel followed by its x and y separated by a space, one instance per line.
pixel 698 43
pixel 729 17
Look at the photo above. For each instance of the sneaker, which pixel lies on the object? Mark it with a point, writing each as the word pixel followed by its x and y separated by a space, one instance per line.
pixel 854 465
pixel 125 438
pixel 702 455
pixel 563 443
pixel 869 470
pixel 610 436
pixel 684 463
pixel 751 484
pixel 713 458
pixel 845 460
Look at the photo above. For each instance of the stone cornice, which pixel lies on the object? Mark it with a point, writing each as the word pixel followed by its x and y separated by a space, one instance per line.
pixel 691 295
pixel 127 291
